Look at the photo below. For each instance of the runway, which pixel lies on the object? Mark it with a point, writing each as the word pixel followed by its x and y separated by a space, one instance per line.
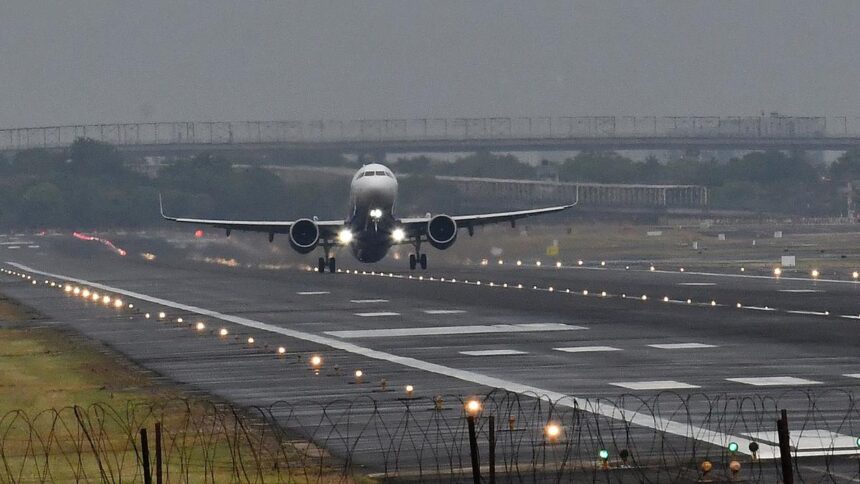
pixel 569 332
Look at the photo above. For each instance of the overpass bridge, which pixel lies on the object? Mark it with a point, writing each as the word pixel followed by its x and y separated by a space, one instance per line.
pixel 563 133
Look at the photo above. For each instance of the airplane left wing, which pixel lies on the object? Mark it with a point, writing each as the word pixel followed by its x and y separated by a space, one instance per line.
pixel 328 228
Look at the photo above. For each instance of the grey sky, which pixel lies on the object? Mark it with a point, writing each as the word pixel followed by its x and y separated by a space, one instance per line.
pixel 75 61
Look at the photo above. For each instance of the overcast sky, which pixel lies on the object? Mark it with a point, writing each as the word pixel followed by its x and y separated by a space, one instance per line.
pixel 79 61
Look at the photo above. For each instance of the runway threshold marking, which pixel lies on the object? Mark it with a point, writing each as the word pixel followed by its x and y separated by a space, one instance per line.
pixel 654 385
pixel 379 314
pixel 772 381
pixel 493 352
pixel 681 346
pixel 449 330
pixel 586 349
pixel 647 420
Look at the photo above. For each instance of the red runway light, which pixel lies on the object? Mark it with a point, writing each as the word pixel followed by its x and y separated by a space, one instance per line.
pixel 198 233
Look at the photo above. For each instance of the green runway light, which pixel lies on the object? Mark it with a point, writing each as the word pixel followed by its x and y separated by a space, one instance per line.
pixel 604 454
pixel 733 447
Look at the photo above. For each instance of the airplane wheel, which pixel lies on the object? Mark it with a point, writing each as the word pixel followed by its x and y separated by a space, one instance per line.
pixel 412 262
pixel 321 265
pixel 424 262
pixel 332 265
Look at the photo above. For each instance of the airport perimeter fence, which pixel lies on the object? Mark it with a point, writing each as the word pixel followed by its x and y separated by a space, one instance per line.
pixel 427 439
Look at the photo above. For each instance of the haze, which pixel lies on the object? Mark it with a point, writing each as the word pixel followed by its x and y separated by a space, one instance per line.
pixel 91 61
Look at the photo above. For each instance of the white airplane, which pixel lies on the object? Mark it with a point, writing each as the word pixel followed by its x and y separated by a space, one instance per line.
pixel 371 228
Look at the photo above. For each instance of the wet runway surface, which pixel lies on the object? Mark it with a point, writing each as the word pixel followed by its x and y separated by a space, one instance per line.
pixel 574 332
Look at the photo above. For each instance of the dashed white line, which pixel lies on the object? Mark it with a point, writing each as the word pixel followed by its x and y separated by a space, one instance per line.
pixel 586 349
pixel 771 381
pixel 493 352
pixel 444 311
pixel 312 293
pixel 852 375
pixel 379 314
pixel 681 346
pixel 800 291
pixel 449 330
pixel 368 301
pixel 809 313
pixel 697 284
pixel 654 385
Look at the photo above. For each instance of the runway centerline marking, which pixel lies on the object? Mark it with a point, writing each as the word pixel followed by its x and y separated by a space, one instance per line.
pixel 449 330
pixel 766 451
pixel 681 346
pixel 697 284
pixel 654 385
pixel 586 349
pixel 852 375
pixel 312 293
pixel 368 301
pixel 444 311
pixel 493 352
pixel 380 314
pixel 800 291
pixel 771 381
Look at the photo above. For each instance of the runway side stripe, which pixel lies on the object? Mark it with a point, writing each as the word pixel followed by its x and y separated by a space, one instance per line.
pixel 647 420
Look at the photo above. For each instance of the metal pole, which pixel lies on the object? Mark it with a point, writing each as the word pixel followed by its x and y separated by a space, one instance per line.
pixel 492 423
pixel 785 448
pixel 473 450
pixel 158 472
pixel 144 446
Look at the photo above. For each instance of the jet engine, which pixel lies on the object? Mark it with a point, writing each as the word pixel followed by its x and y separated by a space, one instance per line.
pixel 442 231
pixel 304 235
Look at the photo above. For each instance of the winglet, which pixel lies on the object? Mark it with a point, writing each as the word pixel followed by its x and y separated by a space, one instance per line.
pixel 161 206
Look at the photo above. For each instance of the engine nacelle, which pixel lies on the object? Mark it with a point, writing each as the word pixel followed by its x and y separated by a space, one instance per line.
pixel 441 231
pixel 304 235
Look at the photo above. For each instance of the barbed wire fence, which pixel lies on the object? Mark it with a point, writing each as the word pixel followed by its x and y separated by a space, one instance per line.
pixel 516 438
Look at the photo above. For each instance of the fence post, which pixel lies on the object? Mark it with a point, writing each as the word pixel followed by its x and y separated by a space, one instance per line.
pixel 158 473
pixel 785 448
pixel 144 447
pixel 492 422
pixel 473 450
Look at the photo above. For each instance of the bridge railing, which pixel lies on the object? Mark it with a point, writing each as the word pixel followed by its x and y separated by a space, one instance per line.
pixel 434 129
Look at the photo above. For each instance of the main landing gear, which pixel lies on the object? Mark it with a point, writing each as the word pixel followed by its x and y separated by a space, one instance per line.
pixel 418 258
pixel 327 261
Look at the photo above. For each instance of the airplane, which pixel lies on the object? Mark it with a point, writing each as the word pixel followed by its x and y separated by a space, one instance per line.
pixel 371 228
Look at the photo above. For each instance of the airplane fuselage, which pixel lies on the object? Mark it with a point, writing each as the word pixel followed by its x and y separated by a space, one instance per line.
pixel 373 193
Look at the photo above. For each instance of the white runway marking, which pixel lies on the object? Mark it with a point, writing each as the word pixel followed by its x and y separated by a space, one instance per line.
pixel 493 352
pixel 448 330
pixel 809 439
pixel 697 284
pixel 809 313
pixel 681 346
pixel 800 291
pixel 586 349
pixel 771 381
pixel 13 247
pixel 766 451
pixel 32 246
pixel 654 385
pixel 444 311
pixel 852 375
pixel 368 301
pixel 312 293
pixel 377 314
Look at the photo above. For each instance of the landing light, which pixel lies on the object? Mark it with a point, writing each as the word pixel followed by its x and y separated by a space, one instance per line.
pixel 398 235
pixel 117 303
pixel 344 236
pixel 473 407
pixel 201 326
pixel 376 213
pixel 777 272
pixel 815 273
pixel 552 432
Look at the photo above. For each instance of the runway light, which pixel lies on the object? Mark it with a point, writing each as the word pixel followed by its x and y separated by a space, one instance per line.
pixel 250 340
pixel 552 432
pixel 161 315
pixel 681 269
pixel 180 320
pixel 282 351
pixel 223 332
pixel 665 298
pixel 95 296
pixel 815 273
pixel 519 286
pixel 106 299
pixel 358 376
pixel 551 289
pixel 743 269
pixel 713 303
pixel 777 271
pixel 689 301
pixel 603 263
pixel 855 275
pixel 201 326
pixel 316 361
pixel 146 316
pixel 473 407
pixel 644 297
pixel 68 288
pixel 558 264
pixel 501 262
pixel 603 294
pixel 653 268
pixel 117 303
pixel 34 283
pixel 585 292
pixel 740 305
pixel 505 285
pixel 409 390
pixel 519 262
pixel 537 263
pixel 344 236
pixel 603 454
pixel 733 447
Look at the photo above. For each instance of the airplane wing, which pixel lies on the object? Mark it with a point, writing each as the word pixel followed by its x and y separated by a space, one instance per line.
pixel 415 227
pixel 328 228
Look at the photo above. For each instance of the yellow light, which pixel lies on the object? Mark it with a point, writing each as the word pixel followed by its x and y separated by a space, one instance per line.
pixel 358 374
pixel 223 332
pixel 161 315
pixel 282 350
pixel 344 236
pixel 777 272
pixel 815 273
pixel 117 303
pixel 316 361
pixel 250 340
pixel 473 407
pixel 552 432
pixel 201 326
pixel 409 390
pixel 398 235
pixel 558 264
pixel 106 299
pixel 86 293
